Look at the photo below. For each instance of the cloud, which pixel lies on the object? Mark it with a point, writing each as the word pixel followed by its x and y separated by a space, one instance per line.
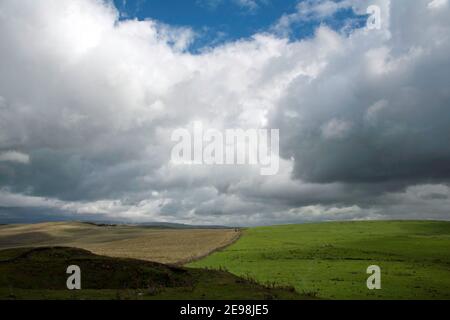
pixel 310 10
pixel 247 5
pixel 14 156
pixel 91 101
pixel 436 4
pixel 336 129
pixel 388 114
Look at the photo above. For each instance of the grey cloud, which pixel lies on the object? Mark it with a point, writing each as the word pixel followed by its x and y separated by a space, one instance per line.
pixel 404 139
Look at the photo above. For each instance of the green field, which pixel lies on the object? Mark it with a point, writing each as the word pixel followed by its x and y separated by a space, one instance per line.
pixel 330 259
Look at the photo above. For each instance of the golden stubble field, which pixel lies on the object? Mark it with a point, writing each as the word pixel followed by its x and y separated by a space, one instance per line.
pixel 173 246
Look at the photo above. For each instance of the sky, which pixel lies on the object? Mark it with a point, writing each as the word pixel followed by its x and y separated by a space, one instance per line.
pixel 220 21
pixel 91 91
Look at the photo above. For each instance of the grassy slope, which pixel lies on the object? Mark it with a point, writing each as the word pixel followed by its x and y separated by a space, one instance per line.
pixel 39 273
pixel 331 258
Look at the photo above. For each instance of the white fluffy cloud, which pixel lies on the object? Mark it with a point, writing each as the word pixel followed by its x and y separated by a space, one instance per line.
pixel 436 4
pixel 249 6
pixel 89 103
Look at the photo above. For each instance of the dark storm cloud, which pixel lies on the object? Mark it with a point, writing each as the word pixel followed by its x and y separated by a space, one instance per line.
pixel 379 113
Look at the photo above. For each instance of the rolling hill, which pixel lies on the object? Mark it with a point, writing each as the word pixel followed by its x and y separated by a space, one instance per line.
pixel 151 243
pixel 40 273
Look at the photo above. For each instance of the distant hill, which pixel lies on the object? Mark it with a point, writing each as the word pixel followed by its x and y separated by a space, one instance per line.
pixel 181 226
pixel 162 225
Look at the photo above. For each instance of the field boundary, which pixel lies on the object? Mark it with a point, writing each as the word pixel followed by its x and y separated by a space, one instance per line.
pixel 224 246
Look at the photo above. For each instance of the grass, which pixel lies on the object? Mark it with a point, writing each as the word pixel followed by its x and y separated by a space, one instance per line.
pixel 40 273
pixel 329 260
pixel 173 246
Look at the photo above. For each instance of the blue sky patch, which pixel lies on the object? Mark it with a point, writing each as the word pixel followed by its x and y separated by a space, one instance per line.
pixel 219 21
